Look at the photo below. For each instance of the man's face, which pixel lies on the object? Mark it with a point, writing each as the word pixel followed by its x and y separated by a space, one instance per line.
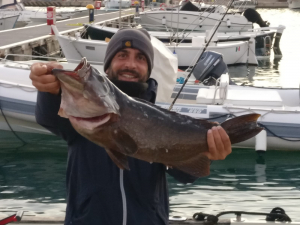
pixel 129 64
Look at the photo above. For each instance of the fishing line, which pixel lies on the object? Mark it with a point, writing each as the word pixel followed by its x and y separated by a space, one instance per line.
pixel 190 73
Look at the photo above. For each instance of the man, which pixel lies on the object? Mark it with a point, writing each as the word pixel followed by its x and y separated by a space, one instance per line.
pixel 98 191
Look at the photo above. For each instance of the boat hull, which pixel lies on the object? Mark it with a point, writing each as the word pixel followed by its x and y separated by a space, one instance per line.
pixel 18 100
pixel 294 4
pixel 8 22
pixel 233 53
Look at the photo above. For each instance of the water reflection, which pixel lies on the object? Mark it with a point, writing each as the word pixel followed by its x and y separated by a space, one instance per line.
pixel 244 181
pixel 266 74
pixel 32 178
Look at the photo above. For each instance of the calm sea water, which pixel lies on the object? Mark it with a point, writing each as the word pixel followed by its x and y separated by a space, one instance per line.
pixel 32 176
pixel 276 72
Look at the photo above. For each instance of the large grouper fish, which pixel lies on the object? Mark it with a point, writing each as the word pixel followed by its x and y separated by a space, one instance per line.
pixel 127 126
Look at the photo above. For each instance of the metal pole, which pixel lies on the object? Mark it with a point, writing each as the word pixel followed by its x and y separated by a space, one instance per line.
pixel 120 4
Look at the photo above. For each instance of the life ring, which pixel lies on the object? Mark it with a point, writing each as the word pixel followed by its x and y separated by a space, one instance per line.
pixel 162 5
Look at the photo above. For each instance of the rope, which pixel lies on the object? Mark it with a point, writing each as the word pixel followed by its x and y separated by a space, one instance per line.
pixel 8 124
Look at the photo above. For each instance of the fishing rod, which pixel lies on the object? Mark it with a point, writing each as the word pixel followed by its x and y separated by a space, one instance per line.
pixel 192 70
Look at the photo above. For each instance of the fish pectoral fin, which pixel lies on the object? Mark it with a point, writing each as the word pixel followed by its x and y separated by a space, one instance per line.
pixel 119 159
pixel 198 166
pixel 124 142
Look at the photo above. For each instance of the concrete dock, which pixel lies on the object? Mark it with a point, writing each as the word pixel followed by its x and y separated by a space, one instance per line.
pixel 36 39
pixel 58 3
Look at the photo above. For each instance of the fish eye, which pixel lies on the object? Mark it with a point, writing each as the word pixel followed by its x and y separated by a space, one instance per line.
pixel 101 79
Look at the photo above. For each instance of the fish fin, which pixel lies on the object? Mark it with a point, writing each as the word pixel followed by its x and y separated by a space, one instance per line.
pixel 198 166
pixel 125 143
pixel 242 128
pixel 119 159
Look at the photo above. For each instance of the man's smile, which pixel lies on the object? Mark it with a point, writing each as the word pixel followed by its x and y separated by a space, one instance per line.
pixel 127 76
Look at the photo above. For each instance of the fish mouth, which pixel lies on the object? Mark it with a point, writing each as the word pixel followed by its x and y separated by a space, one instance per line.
pixel 90 123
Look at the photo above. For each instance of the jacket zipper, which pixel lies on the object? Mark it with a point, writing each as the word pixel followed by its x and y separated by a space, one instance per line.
pixel 123 197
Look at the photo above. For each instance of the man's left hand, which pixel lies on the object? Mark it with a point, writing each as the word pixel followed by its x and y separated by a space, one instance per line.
pixel 219 145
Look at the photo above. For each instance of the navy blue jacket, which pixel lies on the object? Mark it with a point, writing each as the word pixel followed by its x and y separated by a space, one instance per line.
pixel 98 192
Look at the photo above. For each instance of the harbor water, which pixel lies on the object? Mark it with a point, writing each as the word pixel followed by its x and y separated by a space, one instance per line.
pixel 32 174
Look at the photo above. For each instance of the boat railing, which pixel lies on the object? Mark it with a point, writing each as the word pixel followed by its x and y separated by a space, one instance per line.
pixel 37 58
pixel 146 26
pixel 280 27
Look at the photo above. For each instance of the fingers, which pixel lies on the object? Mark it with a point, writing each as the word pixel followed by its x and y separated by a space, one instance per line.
pixel 39 69
pixel 42 78
pixel 218 144
pixel 225 140
pixel 52 88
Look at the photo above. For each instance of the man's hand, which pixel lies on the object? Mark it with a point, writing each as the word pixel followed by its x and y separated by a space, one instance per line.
pixel 219 145
pixel 42 78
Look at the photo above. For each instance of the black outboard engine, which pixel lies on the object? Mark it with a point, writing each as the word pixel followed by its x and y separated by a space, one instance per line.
pixel 210 67
pixel 253 16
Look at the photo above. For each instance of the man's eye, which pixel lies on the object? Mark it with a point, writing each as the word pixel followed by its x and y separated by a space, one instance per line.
pixel 141 57
pixel 122 55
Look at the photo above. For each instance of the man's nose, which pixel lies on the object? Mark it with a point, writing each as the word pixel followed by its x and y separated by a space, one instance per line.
pixel 131 63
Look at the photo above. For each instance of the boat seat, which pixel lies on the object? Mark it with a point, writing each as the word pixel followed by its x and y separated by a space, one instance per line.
pixel 239 97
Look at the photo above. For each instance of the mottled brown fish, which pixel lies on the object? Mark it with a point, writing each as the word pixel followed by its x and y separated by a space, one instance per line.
pixel 127 126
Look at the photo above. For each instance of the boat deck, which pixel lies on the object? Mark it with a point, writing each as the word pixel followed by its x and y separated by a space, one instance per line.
pixel 10 37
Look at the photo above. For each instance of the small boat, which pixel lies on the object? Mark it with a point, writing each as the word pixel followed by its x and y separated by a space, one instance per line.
pixel 12 7
pixel 264 37
pixel 234 52
pixel 279 107
pixel 294 4
pixel 8 22
pixel 190 17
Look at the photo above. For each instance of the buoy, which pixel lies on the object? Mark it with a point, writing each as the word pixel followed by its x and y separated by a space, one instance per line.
pixel 228 23
pixel 261 142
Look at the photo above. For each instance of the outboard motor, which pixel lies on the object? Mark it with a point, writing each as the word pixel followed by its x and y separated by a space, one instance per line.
pixel 253 16
pixel 210 67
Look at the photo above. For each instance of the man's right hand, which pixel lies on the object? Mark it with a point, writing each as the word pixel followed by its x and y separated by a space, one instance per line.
pixel 42 78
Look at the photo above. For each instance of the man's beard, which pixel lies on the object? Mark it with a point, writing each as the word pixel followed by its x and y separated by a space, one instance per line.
pixel 131 88
pixel 114 75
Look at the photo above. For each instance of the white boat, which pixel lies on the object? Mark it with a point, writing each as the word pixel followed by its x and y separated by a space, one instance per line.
pixel 8 22
pixel 241 52
pixel 294 4
pixel 264 37
pixel 279 107
pixel 115 4
pixel 244 4
pixel 234 52
pixel 12 7
pixel 182 19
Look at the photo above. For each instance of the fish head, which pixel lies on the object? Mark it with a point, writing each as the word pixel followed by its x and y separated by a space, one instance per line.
pixel 88 98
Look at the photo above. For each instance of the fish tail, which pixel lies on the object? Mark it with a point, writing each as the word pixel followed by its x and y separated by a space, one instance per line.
pixel 242 128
